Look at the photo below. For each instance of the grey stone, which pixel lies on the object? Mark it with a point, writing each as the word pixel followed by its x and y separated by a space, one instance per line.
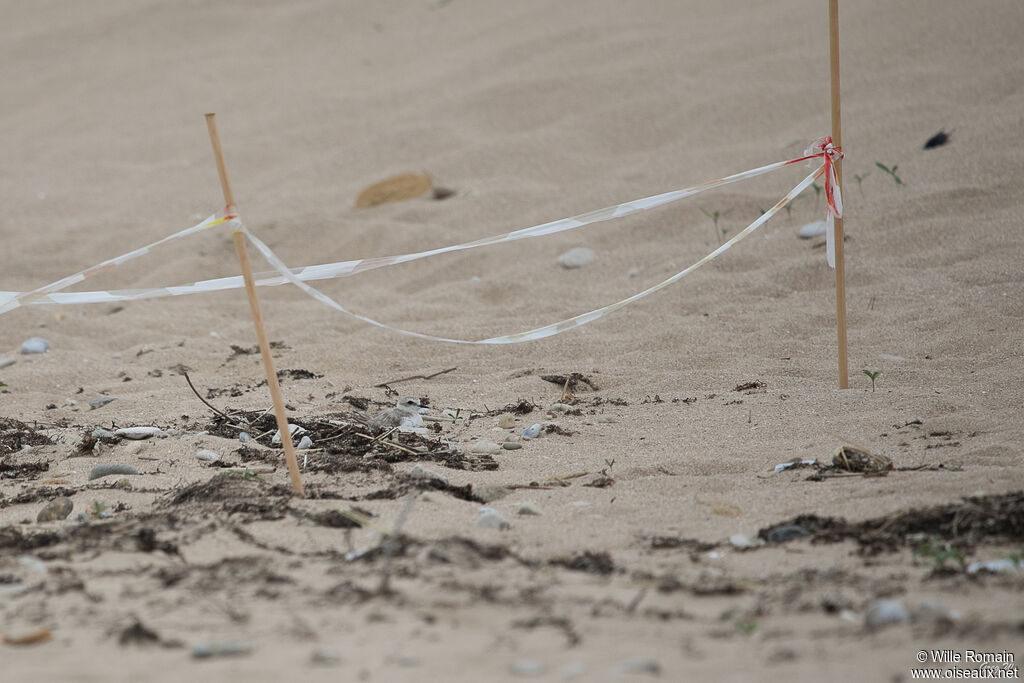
pixel 813 229
pixel 100 402
pixel 511 445
pixel 531 432
pixel 304 443
pixel 649 667
pixel 56 510
pixel 527 667
pixel 528 508
pixel 423 474
pixel 881 613
pixel 35 345
pixel 208 456
pixel 139 432
pixel 485 447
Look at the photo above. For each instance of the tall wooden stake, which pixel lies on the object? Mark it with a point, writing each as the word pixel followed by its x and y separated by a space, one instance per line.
pixel 257 316
pixel 837 140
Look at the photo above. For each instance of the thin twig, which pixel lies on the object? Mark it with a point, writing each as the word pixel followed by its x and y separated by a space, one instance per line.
pixel 406 379
pixel 208 404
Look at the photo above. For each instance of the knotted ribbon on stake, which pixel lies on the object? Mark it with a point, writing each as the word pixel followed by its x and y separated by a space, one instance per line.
pixel 824 149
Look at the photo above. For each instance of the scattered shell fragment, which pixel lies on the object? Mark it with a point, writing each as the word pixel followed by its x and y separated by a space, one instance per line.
pixel 294 430
pixel 111 468
pixel 30 638
pixel 95 403
pixel 794 464
pixel 883 613
pixel 532 432
pixel 56 510
pixel 506 422
pixel 394 189
pixel 854 459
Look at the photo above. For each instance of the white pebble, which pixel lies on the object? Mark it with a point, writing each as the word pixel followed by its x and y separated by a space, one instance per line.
pixel 606 419
pixel 485 447
pixel 304 443
pixel 741 541
pixel 208 456
pixel 883 613
pixel 813 229
pixel 423 474
pixel 35 345
pixel 244 437
pixel 139 432
pixel 576 258
pixel 4 362
pixel 531 432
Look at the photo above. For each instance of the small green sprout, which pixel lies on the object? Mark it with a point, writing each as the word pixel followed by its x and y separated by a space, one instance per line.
pixel 873 376
pixel 890 171
pixel 98 510
pixel 714 216
pixel 860 181
pixel 939 554
pixel 609 464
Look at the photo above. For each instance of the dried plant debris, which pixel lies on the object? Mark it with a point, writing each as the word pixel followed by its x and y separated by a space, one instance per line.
pixel 753 387
pixel 938 140
pixel 571 382
pixel 15 434
pixel 972 521
pixel 853 459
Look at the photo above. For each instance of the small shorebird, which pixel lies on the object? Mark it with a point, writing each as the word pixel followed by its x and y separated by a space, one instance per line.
pixel 405 415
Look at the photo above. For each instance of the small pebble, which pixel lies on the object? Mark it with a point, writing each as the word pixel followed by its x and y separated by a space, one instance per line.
pixel 485 447
pixel 304 443
pixel 35 345
pixel 108 469
pixel 574 670
pixel 56 510
pixel 488 493
pixel 1004 565
pixel 491 519
pixel 787 532
pixel 222 649
pixel 506 422
pixel 606 419
pixel 576 258
pixel 511 445
pixel 100 402
pixel 527 667
pixel 208 456
pixel 139 432
pixel 639 666
pixel 560 407
pixel 244 437
pixel 741 541
pixel 528 508
pixel 882 613
pixel 4 362
pixel 423 474
pixel 813 229
pixel 135 448
pixel 531 432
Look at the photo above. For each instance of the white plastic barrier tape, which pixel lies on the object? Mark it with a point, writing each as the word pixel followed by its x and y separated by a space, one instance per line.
pixel 547 330
pixel 49 295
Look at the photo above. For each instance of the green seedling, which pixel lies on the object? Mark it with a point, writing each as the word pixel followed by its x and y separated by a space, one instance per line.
pixel 890 171
pixel 873 376
pixel 860 180
pixel 455 417
pixel 714 216
pixel 247 474
pixel 98 510
pixel 609 464
pixel 746 626
pixel 2 384
pixel 939 554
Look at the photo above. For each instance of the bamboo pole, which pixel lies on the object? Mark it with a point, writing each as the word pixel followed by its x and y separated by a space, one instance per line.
pixel 257 316
pixel 837 140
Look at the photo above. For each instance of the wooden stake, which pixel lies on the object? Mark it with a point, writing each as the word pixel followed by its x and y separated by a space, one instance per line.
pixel 837 140
pixel 257 316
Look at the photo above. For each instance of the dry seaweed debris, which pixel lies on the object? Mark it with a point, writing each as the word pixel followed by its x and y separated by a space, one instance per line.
pixel 971 521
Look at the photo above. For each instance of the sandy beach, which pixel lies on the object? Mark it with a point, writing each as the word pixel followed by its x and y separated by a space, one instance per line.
pixel 647 534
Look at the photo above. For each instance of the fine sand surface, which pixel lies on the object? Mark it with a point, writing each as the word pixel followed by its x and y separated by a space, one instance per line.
pixel 530 111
